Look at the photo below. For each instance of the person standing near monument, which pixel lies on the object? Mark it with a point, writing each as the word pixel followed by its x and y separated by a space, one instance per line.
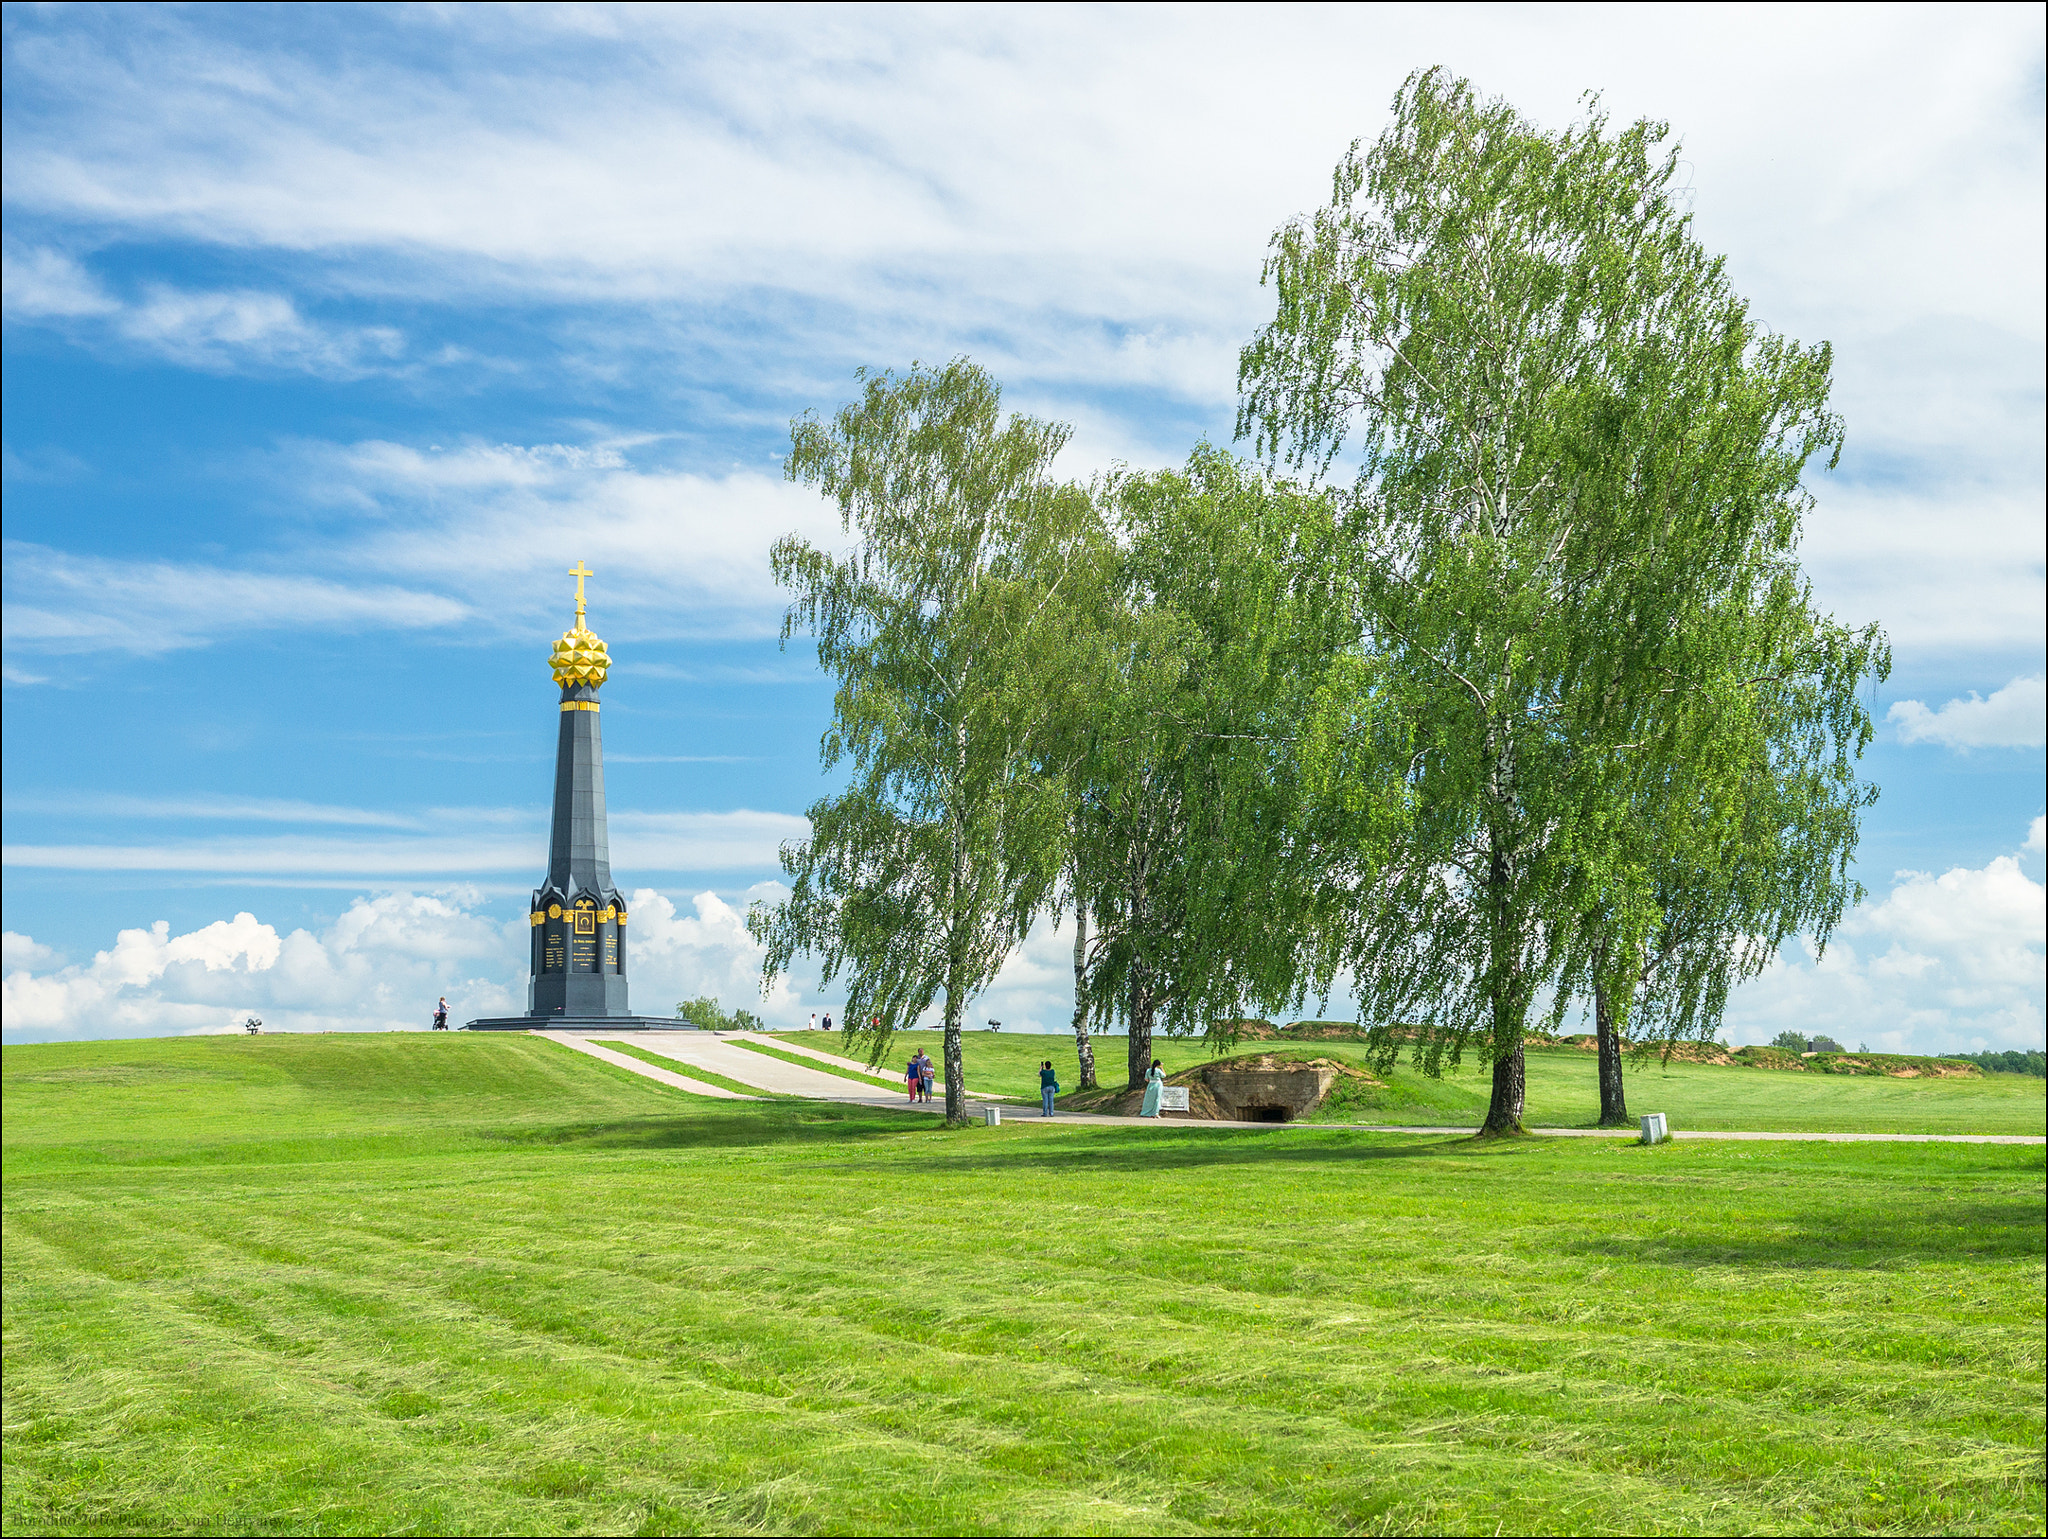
pixel 1155 1087
pixel 1048 1087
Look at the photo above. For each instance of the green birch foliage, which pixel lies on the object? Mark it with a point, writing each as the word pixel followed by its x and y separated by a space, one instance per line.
pixel 921 875
pixel 1739 862
pixel 1571 537
pixel 1194 854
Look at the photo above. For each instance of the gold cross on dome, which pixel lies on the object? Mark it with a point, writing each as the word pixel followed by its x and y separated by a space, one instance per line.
pixel 579 571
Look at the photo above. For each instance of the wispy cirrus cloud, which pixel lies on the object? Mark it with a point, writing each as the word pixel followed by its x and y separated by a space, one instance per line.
pixel 450 844
pixel 1086 193
pixel 677 553
pixel 235 809
pixel 85 604
pixel 743 204
pixel 212 329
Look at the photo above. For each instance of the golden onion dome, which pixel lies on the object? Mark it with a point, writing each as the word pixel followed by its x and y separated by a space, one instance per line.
pixel 579 658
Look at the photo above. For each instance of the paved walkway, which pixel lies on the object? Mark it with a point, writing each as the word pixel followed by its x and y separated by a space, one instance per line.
pixel 721 1054
pixel 638 1066
pixel 804 1050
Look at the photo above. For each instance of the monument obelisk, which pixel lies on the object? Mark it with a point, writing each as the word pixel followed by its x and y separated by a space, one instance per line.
pixel 577 917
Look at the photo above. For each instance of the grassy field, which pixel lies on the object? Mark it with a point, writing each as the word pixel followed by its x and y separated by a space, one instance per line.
pixel 1562 1089
pixel 419 1283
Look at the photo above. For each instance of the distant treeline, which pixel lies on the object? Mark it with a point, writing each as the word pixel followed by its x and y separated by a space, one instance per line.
pixel 2015 1062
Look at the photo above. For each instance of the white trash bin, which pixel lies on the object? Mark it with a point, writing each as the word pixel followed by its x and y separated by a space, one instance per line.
pixel 992 1116
pixel 1654 1130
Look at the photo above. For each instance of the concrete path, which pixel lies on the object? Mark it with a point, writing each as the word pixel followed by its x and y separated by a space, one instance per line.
pixel 722 1056
pixel 891 1081
pixel 570 1039
pixel 801 1050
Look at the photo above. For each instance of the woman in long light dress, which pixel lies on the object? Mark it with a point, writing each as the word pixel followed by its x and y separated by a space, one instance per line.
pixel 1155 1082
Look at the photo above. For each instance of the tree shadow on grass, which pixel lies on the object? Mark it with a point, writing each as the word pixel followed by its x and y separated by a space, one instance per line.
pixel 761 1125
pixel 1145 1152
pixel 1839 1238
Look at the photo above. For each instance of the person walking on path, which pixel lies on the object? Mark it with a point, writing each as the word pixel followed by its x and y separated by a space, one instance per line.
pixel 927 1072
pixel 913 1077
pixel 1048 1087
pixel 441 1014
pixel 1155 1084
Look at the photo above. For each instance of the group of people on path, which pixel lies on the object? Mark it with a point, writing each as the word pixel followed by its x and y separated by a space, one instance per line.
pixel 919 1074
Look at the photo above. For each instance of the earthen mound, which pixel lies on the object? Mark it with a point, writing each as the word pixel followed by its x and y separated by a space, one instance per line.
pixel 1251 1087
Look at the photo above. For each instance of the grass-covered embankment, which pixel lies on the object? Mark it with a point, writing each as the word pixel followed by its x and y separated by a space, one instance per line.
pixel 423 1283
pixel 1562 1088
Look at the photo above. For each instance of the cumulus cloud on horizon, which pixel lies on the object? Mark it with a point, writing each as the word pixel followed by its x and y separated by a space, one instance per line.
pixel 1953 962
pixel 380 966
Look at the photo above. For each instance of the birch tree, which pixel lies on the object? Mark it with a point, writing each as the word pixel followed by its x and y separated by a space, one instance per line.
pixel 920 876
pixel 1558 533
pixel 1194 854
pixel 1738 864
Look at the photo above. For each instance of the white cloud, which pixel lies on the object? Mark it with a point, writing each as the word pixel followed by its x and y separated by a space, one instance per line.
pixel 236 328
pixel 90 604
pixel 673 551
pixel 2037 838
pixel 203 329
pixel 675 958
pixel 2014 717
pixel 255 809
pixel 1034 990
pixel 1086 193
pixel 381 965
pixel 479 527
pixel 37 283
pixel 20 951
pixel 1950 568
pixel 1063 194
pixel 1941 963
pixel 455 841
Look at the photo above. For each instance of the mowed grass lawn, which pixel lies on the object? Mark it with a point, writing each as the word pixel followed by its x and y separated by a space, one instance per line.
pixel 417 1283
pixel 1562 1089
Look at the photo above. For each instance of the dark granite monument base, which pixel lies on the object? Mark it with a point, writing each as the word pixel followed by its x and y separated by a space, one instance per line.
pixel 580 1023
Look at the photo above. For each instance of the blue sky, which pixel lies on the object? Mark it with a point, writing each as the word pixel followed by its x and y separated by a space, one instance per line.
pixel 333 336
